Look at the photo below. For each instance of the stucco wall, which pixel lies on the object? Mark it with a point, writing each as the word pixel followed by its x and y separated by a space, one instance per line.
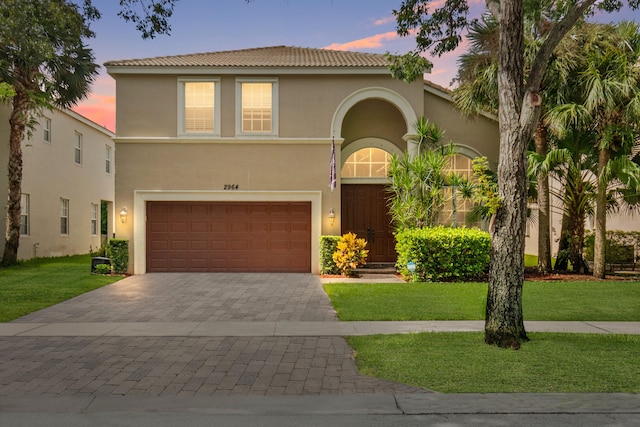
pixel 481 134
pixel 147 105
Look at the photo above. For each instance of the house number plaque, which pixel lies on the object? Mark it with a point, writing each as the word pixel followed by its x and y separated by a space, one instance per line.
pixel 231 187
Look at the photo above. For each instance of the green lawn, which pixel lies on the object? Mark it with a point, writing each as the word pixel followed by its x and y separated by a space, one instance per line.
pixel 462 363
pixel 564 301
pixel 36 284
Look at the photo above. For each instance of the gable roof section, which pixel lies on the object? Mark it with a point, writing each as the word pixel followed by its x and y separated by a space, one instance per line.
pixel 276 59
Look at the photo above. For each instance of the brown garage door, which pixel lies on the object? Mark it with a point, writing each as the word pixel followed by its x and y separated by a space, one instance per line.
pixel 229 236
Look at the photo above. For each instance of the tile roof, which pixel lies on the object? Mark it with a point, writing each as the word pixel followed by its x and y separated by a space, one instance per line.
pixel 275 56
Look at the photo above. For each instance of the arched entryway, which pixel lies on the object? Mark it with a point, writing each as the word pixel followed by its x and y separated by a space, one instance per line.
pixel 372 123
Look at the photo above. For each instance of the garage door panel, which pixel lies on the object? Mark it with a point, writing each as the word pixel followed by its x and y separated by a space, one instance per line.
pixel 198 245
pixel 199 227
pixel 229 236
pixel 178 227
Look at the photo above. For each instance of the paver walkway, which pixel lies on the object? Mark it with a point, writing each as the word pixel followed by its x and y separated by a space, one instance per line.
pixel 157 358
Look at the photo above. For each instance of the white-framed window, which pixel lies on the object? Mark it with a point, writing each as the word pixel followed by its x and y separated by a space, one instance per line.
pixel 107 159
pixel 94 219
pixel 198 109
pixel 46 129
pixel 77 148
pixel 256 106
pixel 24 215
pixel 369 162
pixel 64 216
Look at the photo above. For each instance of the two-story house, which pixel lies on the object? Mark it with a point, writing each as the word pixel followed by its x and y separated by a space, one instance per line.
pixel 224 157
pixel 67 185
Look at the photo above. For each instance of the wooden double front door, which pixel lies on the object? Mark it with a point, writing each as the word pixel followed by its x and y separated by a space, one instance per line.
pixel 365 213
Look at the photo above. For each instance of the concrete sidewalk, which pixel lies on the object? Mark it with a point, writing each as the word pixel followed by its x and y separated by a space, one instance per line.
pixel 288 328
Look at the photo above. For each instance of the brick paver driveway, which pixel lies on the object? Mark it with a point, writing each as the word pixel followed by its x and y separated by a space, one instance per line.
pixel 146 365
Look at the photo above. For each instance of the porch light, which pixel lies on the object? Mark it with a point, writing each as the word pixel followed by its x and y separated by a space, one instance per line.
pixel 123 215
pixel 332 216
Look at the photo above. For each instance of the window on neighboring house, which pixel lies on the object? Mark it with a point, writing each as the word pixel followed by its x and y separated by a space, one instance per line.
pixel 24 214
pixel 78 148
pixel 257 106
pixel 94 219
pixel 199 107
pixel 107 159
pixel 46 128
pixel 64 216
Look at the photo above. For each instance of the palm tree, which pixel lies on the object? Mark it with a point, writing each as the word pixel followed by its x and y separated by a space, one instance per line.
pixel 571 166
pixel 44 59
pixel 607 103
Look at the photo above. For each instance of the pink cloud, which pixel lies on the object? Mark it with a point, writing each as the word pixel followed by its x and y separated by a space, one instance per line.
pixel 372 42
pixel 385 21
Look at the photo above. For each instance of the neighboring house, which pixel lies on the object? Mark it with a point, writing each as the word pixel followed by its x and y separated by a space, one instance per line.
pixel 224 157
pixel 623 220
pixel 68 181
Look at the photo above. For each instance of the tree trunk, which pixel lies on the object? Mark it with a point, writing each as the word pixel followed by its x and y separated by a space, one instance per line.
pixel 544 232
pixel 562 260
pixel 601 217
pixel 504 324
pixel 17 123
pixel 576 243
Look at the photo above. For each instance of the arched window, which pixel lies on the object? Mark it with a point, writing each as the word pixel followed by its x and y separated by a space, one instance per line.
pixel 458 210
pixel 367 162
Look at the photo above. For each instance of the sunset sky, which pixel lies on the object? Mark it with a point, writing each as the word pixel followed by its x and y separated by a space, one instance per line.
pixel 209 26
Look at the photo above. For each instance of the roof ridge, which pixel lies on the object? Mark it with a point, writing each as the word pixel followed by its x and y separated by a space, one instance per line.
pixel 267 56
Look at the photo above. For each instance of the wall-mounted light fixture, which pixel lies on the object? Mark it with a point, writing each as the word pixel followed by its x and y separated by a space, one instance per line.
pixel 123 215
pixel 332 216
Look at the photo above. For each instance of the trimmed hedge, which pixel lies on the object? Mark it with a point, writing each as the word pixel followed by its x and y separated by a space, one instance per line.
pixel 119 255
pixel 620 247
pixel 328 245
pixel 443 254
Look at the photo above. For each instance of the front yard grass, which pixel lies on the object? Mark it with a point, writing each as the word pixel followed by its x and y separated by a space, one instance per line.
pixel 463 363
pixel 33 285
pixel 561 301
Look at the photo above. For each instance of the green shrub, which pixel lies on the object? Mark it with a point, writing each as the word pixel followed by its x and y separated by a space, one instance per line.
pixel 621 246
pixel 328 246
pixel 350 253
pixel 119 255
pixel 103 269
pixel 443 253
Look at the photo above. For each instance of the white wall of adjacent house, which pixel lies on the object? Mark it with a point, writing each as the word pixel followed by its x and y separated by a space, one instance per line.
pixel 68 175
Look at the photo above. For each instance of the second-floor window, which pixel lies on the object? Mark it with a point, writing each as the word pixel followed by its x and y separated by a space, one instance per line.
pixel 24 214
pixel 64 216
pixel 107 159
pixel 77 148
pixel 46 128
pixel 199 107
pixel 257 106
